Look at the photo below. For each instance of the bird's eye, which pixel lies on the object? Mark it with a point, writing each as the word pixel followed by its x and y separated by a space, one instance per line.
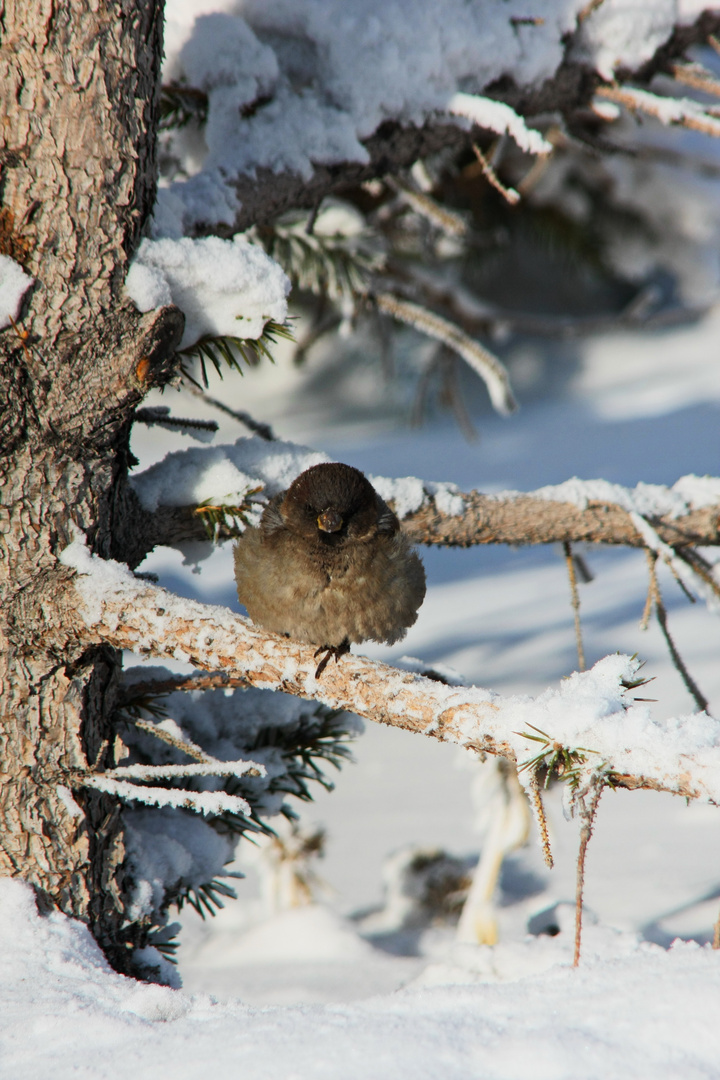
pixel 310 510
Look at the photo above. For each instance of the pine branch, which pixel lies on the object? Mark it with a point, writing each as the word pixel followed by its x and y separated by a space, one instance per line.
pixel 487 366
pixel 683 112
pixel 446 220
pixel 256 426
pixel 129 614
pixel 183 744
pixel 336 266
pixel 181 104
pixel 507 518
pixel 159 415
pixel 226 351
pixel 697 76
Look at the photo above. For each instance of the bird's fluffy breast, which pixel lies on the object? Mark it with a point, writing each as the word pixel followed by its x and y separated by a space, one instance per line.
pixel 363 591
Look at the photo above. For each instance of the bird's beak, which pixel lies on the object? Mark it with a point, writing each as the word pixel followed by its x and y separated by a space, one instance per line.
pixel 330 521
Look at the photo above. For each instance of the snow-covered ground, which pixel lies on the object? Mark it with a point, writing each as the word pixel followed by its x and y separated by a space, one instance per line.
pixel 311 993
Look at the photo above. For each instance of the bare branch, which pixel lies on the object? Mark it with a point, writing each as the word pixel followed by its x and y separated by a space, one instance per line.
pixel 527 519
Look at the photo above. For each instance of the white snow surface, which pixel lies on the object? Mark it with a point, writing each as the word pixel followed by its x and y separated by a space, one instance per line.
pixel 14 283
pixel 625 1012
pixel 223 287
pixel 648 500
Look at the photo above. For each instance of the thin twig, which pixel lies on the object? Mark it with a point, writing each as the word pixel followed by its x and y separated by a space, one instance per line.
pixel 697 76
pixel 700 566
pixel 527 20
pixel 716 934
pixel 649 599
pixel 427 207
pixel 509 194
pixel 206 681
pixel 185 745
pixel 669 111
pixel 588 820
pixel 256 426
pixel 160 415
pixel 453 396
pixel 584 13
pixel 539 811
pixel 487 366
pixel 575 601
pixel 661 614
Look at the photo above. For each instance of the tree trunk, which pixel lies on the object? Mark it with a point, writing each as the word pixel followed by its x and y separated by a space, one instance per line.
pixel 79 86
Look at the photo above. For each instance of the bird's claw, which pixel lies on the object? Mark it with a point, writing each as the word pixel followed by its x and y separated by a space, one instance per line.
pixel 330 650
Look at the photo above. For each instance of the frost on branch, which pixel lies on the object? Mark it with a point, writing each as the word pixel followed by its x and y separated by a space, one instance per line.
pixel 592 709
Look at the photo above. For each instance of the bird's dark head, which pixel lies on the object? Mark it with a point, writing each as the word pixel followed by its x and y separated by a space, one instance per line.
pixel 334 502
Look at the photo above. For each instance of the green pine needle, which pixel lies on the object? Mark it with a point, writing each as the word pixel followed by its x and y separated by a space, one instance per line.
pixel 226 351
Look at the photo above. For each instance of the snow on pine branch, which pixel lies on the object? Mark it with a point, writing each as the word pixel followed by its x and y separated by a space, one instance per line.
pixel 225 288
pixel 251 470
pixel 290 85
pixel 179 772
pixel 254 469
pixel 592 713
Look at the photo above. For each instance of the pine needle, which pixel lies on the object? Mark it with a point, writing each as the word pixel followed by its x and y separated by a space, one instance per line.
pixel 227 351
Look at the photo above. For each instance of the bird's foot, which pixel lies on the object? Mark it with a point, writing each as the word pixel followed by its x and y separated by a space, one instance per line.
pixel 330 650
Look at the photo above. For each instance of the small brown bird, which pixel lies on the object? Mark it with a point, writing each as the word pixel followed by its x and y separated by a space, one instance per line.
pixel 328 564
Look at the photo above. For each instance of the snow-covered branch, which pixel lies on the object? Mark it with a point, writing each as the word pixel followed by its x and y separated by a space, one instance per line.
pixel 281 137
pixel 577 511
pixel 592 715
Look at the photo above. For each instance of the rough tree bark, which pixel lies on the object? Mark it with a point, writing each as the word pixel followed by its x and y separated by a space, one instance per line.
pixel 79 88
